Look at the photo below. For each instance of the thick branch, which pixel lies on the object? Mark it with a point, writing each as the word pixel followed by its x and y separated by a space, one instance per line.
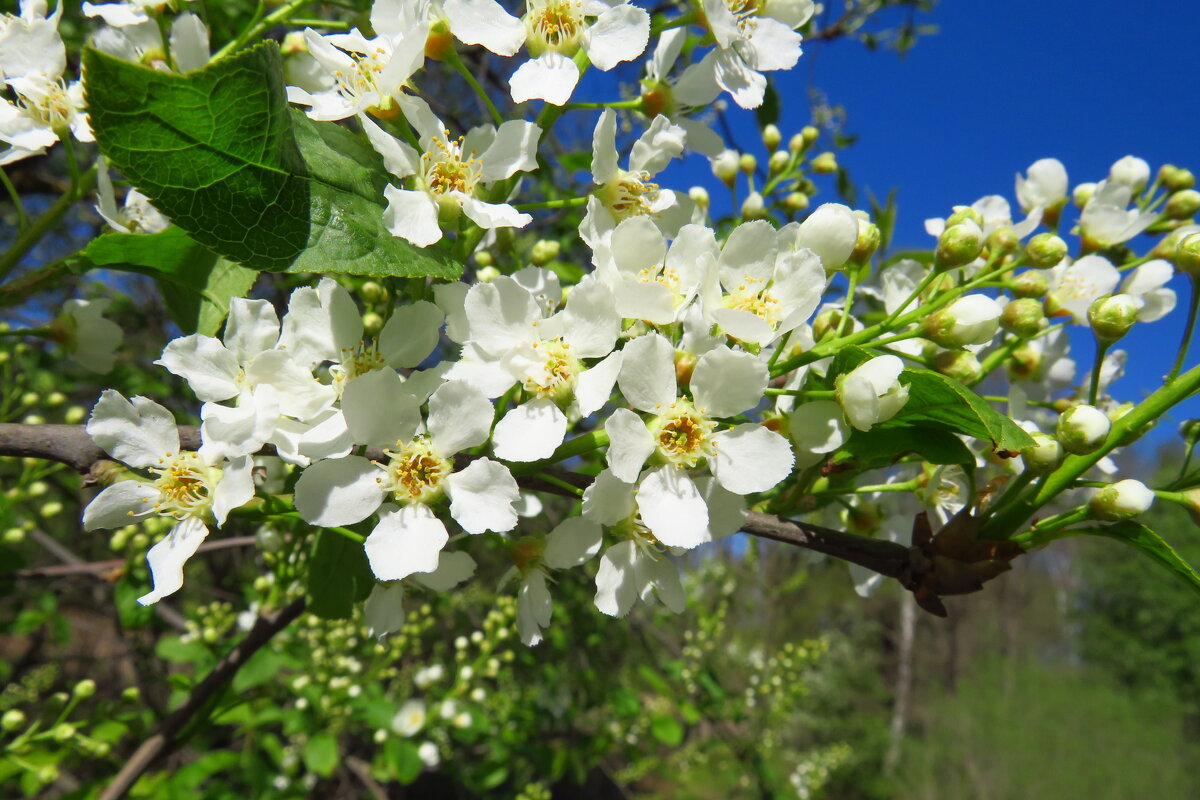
pixel 167 737
pixel 68 444
pixel 887 558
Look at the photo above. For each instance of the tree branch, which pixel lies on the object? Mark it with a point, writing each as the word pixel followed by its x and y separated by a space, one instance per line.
pixel 167 738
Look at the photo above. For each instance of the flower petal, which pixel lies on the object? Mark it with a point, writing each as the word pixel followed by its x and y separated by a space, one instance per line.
pixel 529 432
pixel 482 497
pixel 207 365
pixel 486 23
pixel 618 34
pixel 647 377
pixel 672 508
pixel 550 77
pixel 534 608
pixel 166 559
pixel 726 382
pixel 594 386
pixel 405 541
pixel 412 216
pixel 379 410
pixel 459 417
pixel 138 432
pixel 629 444
pixel 616 588
pixel 513 150
pixel 609 500
pixel 338 491
pixel 121 504
pixel 453 568
pixel 751 458
pixel 575 541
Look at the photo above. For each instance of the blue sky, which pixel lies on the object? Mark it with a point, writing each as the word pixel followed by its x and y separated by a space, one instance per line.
pixel 1002 85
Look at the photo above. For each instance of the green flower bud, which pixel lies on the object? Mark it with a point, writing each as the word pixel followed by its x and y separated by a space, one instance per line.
pixel 962 365
pixel 37 489
pixel 1121 500
pixel 971 319
pixel 796 202
pixel 13 719
pixel 55 399
pixel 1030 284
pixel 1024 317
pixel 1003 240
pixel 725 167
pixel 372 323
pixel 779 161
pixel 753 207
pixel 372 293
pixel 30 399
pixel 1187 255
pixel 1082 194
pixel 1183 204
pixel 84 689
pixel 796 144
pixel 699 196
pixel 1176 178
pixel 1112 316
pixel 1045 250
pixel 14 535
pixel 958 245
pixel 810 134
pixel 131 695
pixel 771 137
pixel 483 258
pixel 747 163
pixel 825 322
pixel 50 510
pixel 63 732
pixel 47 773
pixel 867 243
pixel 544 251
pixel 962 214
pixel 75 415
pixel 825 164
pixel 1044 455
pixel 34 419
pixel 1082 429
pixel 487 274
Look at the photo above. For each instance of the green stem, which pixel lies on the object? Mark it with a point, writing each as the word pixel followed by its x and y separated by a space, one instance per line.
pixel 559 482
pixel 15 196
pixel 1051 528
pixel 850 290
pixel 568 202
pixel 810 394
pixel 39 333
pixel 276 17
pixel 331 24
pixel 461 69
pixel 164 32
pixel 1193 301
pixel 1094 390
pixel 633 104
pixel 779 348
pixel 33 234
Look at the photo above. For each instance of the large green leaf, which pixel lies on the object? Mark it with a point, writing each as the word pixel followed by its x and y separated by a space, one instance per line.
pixel 1145 541
pixel 338 576
pixel 933 397
pixel 196 284
pixel 884 444
pixel 218 151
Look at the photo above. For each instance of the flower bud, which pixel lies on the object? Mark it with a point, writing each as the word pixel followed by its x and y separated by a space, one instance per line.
pixel 699 196
pixel 30 399
pixel 1030 283
pixel 63 732
pixel 1121 500
pixel 372 323
pixel 1190 500
pixel 796 202
pixel 771 137
pixel 1183 204
pixel 55 399
pixel 961 365
pixel 1112 316
pixel 47 773
pixel 1082 194
pixel 294 42
pixel 1131 171
pixel 958 245
pixel 12 720
pixel 868 241
pixel 50 510
pixel 1082 429
pixel 544 251
pixel 1003 240
pixel 1045 250
pixel 13 535
pixel 725 167
pixel 372 293
pixel 1176 178
pixel 753 207
pixel 75 415
pixel 487 274
pixel 779 161
pixel 1024 362
pixel 826 322
pixel 1024 317
pixel 796 143
pixel 84 689
pixel 1044 455
pixel 825 164
pixel 1187 255
pixel 747 163
pixel 973 319
pixel 483 258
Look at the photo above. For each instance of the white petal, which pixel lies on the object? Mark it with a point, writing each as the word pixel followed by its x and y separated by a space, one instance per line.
pixel 672 508
pixel 751 458
pixel 121 504
pixel 321 321
pixel 831 232
pixel 591 321
pixel 405 541
pixel 655 148
pixel 453 568
pixel 459 417
pixel 206 364
pixel 745 326
pixel 235 488
pixel 166 559
pixel 726 382
pixel 485 23
pixel 619 34
pixel 629 444
pixel 399 158
pixel 604 147
pixel 482 497
pixel 594 386
pixel 251 328
pixel 647 377
pixel 338 491
pixel 138 432
pixel 228 432
pixel 818 427
pixel 383 612
pixel 609 500
pixel 616 589
pixel 529 432
pixel 513 150
pixel 411 334
pixel 746 86
pixel 379 410
pixel 550 77
pixel 775 45
pixel 413 216
pixel 662 576
pixel 575 541
pixel 493 215
pixel 726 510
pixel 189 42
pixel 534 608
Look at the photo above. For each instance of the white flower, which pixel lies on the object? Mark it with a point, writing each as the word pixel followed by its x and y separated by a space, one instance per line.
pixel 534 607
pixel 419 473
pixel 384 610
pixel 428 753
pixel 1132 171
pixel 751 38
pixel 29 42
pixel 1074 287
pixel 137 215
pixel 872 393
pixel 830 231
pixel 972 319
pixel 815 429
pixel 451 176
pixel 89 339
pixel 1148 285
pixel 607 32
pixel 122 14
pixel 143 43
pixel 481 22
pixel 658 93
pixel 1045 185
pixel 181 484
pixel 1107 220
pixel 410 718
pixel 996 213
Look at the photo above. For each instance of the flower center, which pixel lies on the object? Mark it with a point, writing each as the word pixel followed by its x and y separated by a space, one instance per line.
pixel 445 170
pixel 358 360
pixel 630 195
pixel 47 100
pixel 684 434
pixel 185 485
pixel 415 472
pixel 556 375
pixel 555 25
pixel 744 11
pixel 762 303
pixel 362 82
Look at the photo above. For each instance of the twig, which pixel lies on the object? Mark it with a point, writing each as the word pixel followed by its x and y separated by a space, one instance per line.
pixel 98 569
pixel 362 771
pixel 168 736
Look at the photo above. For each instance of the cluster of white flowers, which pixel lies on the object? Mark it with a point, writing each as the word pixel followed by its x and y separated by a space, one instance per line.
pixel 690 359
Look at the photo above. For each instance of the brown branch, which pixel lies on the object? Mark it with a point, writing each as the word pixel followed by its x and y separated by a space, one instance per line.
pixel 101 569
pixel 167 738
pixel 68 444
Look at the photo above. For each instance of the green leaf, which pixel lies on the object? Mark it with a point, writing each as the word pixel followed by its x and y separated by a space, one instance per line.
pixel 132 614
pixel 667 729
pixel 402 760
pixel 933 397
pixel 885 444
pixel 321 754
pixel 218 151
pixel 196 285
pixel 338 576
pixel 768 112
pixel 177 651
pixel 1145 541
pixel 260 668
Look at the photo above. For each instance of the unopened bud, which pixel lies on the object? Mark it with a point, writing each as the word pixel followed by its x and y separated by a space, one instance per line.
pixel 796 202
pixel 1024 362
pixel 294 42
pixel 1045 250
pixel 372 323
pixel 63 732
pixel 47 773
pixel 55 399
pixel 973 319
pixel 372 293
pixel 958 245
pixel 1003 240
pixel 1030 284
pixel 13 535
pixel 1176 178
pixel 13 719
pixel 1132 171
pixel 1121 500
pixel 778 161
pixel 84 689
pixel 867 243
pixel 725 167
pixel 50 510
pixel 487 274
pixel 131 694
pixel 753 207
pixel 1183 204
pixel 1112 316
pixel 771 137
pixel 1187 255
pixel 544 251
pixel 1082 429
pixel 1191 501
pixel 1082 194
pixel 961 365
pixel 825 164
pixel 699 196
pixel 963 214
pixel 75 415
pixel 826 322
pixel 1024 317
pixel 483 258
pixel 1044 455
pixel 747 163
